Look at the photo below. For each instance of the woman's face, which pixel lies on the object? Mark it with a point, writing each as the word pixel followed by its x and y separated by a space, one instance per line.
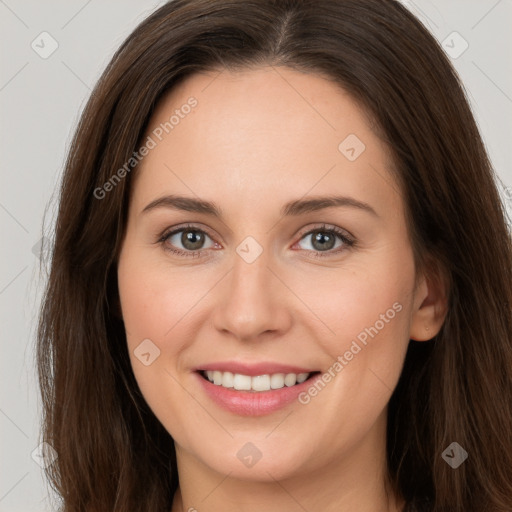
pixel 264 291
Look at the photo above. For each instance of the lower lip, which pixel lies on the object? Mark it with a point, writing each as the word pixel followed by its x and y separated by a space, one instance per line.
pixel 246 403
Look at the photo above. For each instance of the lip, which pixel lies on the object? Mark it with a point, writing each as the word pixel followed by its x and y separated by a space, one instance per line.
pixel 251 403
pixel 253 369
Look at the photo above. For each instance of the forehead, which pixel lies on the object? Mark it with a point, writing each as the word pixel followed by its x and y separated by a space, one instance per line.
pixel 260 131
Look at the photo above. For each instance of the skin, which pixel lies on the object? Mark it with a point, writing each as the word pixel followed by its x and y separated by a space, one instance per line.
pixel 257 139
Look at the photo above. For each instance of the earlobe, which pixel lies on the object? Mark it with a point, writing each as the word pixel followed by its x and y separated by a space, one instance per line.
pixel 432 294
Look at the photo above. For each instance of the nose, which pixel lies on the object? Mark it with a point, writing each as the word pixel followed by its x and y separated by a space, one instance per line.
pixel 252 303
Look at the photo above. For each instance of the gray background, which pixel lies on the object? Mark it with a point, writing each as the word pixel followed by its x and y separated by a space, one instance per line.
pixel 41 99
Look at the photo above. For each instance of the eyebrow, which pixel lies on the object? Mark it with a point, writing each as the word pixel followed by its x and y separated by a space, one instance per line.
pixel 292 208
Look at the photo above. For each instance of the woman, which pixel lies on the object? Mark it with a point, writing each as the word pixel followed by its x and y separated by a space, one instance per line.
pixel 282 273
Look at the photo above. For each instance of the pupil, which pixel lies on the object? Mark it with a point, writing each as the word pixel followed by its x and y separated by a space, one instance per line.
pixel 192 240
pixel 320 237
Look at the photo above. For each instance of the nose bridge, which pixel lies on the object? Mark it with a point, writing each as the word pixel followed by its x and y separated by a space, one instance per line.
pixel 250 276
pixel 251 301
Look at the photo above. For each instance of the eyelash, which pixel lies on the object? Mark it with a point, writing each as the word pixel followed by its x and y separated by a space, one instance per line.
pixel 347 241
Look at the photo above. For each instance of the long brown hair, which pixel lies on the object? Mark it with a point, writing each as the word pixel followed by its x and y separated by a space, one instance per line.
pixel 113 453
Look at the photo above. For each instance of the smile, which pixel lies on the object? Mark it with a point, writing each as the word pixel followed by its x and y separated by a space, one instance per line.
pixel 253 389
pixel 256 383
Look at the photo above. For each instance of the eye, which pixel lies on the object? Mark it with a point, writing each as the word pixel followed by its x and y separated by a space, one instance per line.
pixel 189 241
pixel 323 239
pixel 186 241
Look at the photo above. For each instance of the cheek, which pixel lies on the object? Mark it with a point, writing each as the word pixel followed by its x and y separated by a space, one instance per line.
pixel 365 311
pixel 154 299
pixel 367 314
pixel 147 306
pixel 161 307
pixel 155 315
pixel 353 300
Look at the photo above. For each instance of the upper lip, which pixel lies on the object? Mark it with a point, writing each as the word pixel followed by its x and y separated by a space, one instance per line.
pixel 253 369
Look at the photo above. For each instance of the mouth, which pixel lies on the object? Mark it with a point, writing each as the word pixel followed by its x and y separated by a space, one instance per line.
pixel 255 383
pixel 253 388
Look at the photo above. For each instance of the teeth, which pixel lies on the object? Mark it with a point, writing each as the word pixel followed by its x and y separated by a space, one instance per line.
pixel 260 383
pixel 227 379
pixel 277 381
pixel 301 377
pixel 241 382
pixel 257 383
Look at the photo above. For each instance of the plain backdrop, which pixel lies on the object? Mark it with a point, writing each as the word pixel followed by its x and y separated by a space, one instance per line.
pixel 41 97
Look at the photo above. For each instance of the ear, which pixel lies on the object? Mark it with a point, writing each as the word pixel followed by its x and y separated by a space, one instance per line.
pixel 430 303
